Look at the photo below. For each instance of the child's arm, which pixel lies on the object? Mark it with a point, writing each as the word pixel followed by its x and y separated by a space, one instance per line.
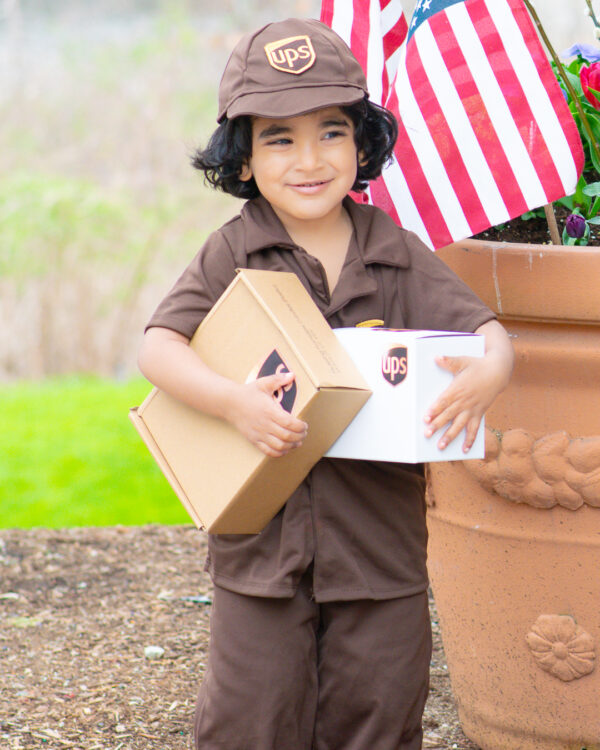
pixel 477 382
pixel 167 361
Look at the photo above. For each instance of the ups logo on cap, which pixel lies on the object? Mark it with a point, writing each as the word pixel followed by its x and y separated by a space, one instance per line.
pixel 292 55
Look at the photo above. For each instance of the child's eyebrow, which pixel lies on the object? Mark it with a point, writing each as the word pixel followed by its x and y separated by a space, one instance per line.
pixel 272 130
pixel 335 124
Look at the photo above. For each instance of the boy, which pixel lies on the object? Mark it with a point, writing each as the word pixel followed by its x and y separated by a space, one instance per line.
pixel 320 634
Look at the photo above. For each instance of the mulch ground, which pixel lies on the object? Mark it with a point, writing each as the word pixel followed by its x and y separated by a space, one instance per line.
pixel 78 609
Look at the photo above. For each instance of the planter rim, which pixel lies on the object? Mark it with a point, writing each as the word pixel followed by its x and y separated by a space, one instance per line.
pixel 529 281
pixel 520 248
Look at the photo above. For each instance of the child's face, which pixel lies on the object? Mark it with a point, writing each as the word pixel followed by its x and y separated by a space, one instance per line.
pixel 304 166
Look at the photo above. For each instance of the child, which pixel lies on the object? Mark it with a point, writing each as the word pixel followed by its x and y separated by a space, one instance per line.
pixel 320 635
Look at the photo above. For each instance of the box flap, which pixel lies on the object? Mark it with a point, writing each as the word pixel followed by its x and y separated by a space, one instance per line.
pixel 295 313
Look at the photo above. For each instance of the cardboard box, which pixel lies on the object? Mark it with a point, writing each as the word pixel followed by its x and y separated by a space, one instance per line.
pixel 400 369
pixel 264 321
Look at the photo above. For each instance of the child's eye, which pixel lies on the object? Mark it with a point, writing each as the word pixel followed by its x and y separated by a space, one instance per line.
pixel 279 142
pixel 330 134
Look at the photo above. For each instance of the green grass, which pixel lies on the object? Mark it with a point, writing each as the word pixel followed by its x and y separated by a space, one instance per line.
pixel 70 457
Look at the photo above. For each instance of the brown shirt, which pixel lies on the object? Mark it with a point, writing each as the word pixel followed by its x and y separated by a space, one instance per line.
pixel 360 523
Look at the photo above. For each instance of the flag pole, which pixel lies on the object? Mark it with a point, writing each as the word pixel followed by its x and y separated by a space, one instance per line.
pixel 563 75
pixel 552 225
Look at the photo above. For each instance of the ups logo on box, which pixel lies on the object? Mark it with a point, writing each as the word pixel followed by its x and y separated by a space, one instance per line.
pixel 274 365
pixel 394 365
pixel 292 55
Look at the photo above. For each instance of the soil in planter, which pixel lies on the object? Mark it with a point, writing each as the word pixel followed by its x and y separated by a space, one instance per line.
pixel 533 231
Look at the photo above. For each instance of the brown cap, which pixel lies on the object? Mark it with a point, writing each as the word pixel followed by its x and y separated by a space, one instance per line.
pixel 289 68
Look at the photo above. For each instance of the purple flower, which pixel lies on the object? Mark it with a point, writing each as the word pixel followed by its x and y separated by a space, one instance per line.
pixel 588 51
pixel 575 226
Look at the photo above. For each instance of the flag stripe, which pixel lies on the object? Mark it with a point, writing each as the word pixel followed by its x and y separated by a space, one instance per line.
pixel 393 30
pixel 548 79
pixel 342 20
pixel 359 37
pixel 327 13
pixel 393 24
pixel 432 166
pixel 377 79
pixel 422 189
pixel 401 206
pixel 555 154
pixel 489 164
pixel 449 122
pixel 501 114
pixel 525 96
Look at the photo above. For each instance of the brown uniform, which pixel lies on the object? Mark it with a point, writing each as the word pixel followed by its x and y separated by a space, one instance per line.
pixel 351 539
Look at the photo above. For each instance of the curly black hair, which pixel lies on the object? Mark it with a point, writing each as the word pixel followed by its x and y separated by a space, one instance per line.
pixel 230 147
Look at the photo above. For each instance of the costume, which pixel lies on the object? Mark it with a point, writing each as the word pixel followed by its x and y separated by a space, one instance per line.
pixel 297 689
pixel 356 528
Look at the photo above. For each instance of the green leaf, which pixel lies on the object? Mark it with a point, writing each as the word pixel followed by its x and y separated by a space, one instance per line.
pixel 567 202
pixel 594 92
pixel 592 188
pixel 536 213
pixel 594 220
pixel 580 199
pixel 594 209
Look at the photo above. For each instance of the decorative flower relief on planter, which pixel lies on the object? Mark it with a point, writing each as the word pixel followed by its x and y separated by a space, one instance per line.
pixel 552 470
pixel 561 647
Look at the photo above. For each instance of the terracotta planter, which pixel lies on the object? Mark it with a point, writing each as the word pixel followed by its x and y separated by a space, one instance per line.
pixel 515 539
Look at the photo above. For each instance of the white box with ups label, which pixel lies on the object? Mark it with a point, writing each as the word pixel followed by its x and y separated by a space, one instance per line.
pixel 400 368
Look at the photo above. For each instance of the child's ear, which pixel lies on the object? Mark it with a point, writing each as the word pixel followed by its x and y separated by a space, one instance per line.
pixel 362 159
pixel 245 172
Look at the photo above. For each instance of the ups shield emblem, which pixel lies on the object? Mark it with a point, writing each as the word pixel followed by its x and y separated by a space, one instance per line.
pixel 292 55
pixel 394 365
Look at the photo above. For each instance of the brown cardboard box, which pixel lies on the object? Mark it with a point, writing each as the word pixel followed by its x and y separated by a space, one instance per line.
pixel 263 320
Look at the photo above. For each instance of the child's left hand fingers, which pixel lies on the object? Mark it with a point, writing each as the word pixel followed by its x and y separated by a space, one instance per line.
pixel 455 427
pixel 470 434
pixel 444 410
pixel 440 412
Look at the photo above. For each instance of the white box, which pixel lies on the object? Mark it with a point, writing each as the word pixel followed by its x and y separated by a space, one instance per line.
pixel 400 369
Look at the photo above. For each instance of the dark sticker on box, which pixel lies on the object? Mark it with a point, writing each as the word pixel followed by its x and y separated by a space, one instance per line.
pixel 274 365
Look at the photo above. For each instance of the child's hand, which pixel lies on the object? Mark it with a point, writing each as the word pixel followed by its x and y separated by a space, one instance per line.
pixel 477 381
pixel 168 362
pixel 256 413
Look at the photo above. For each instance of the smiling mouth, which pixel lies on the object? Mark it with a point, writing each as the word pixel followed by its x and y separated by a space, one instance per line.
pixel 314 183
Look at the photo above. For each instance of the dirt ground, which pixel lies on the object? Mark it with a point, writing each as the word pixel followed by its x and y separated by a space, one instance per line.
pixel 78 609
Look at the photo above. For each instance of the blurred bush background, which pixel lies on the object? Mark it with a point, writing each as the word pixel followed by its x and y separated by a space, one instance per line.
pixel 101 105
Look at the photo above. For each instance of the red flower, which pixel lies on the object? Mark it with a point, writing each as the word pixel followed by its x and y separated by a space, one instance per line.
pixel 590 78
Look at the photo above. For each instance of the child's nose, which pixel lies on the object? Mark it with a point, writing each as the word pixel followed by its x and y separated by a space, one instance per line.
pixel 309 155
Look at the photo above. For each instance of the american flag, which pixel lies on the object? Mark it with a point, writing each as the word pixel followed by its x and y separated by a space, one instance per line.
pixel 484 130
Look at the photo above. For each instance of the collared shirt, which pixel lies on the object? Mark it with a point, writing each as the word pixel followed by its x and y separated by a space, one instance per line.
pixel 361 524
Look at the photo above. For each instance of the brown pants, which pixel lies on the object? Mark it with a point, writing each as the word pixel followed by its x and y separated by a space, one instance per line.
pixel 291 674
